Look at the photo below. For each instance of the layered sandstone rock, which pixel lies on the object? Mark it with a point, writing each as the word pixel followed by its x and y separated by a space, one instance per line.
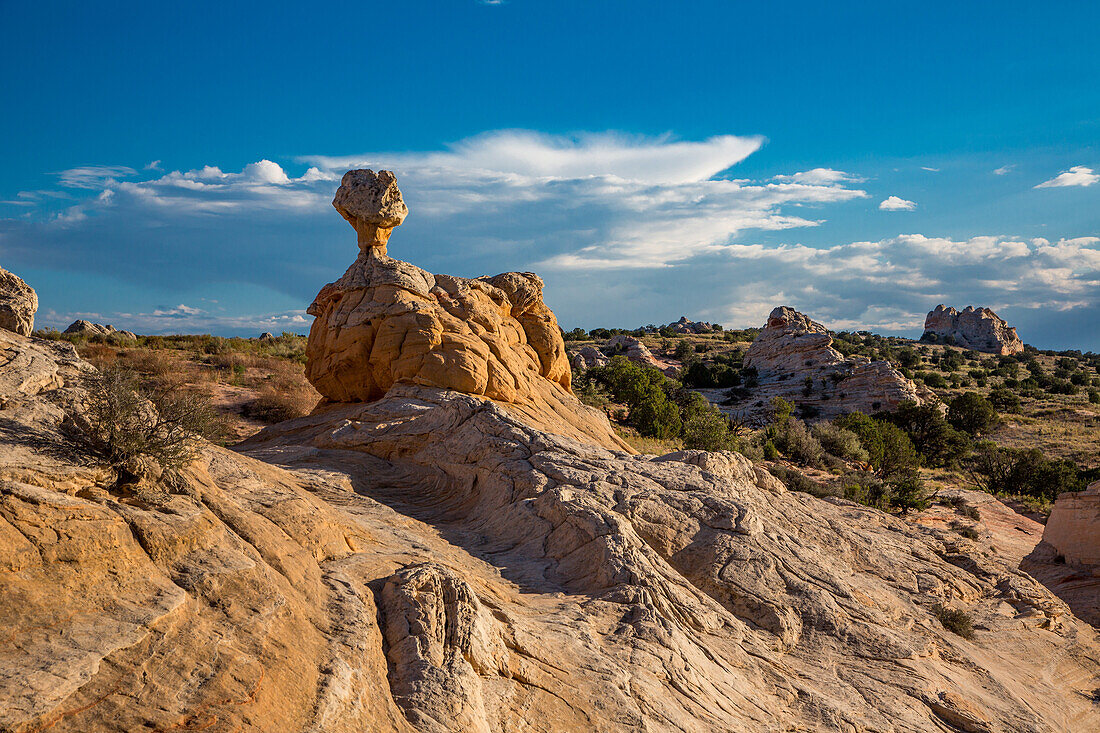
pixel 979 329
pixel 587 357
pixel 1073 529
pixel 82 327
pixel 694 572
pixel 18 304
pixel 431 560
pixel 388 322
pixel 795 360
pixel 637 351
pixel 791 342
pixel 685 326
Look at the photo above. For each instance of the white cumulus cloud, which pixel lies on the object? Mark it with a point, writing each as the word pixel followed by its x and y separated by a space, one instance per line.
pixel 624 229
pixel 896 203
pixel 818 177
pixel 1078 175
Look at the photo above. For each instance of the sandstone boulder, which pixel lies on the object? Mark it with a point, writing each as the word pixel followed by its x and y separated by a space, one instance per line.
pixel 1073 529
pixel 795 360
pixel 979 329
pixel 388 322
pixel 685 326
pixel 82 327
pixel 18 303
pixel 587 357
pixel 637 351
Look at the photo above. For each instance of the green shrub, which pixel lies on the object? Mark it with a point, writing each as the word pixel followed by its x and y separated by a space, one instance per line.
pixel 708 430
pixel 781 409
pixel 655 416
pixel 868 490
pixel 937 442
pixel 126 423
pixel 934 380
pixel 698 374
pixel 1062 386
pixel 1004 400
pixel 794 439
pixel 771 453
pixel 955 621
pixel 1094 397
pixel 1000 470
pixel 840 442
pixel 971 413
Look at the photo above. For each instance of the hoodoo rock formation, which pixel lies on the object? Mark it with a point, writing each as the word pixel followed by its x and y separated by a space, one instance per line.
pixel 428 558
pixel 795 360
pixel 18 304
pixel 388 322
pixel 979 329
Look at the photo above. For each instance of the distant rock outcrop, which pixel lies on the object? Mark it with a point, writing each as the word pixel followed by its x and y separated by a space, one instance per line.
pixel 587 357
pixel 795 360
pixel 1074 526
pixel 387 322
pixel 87 328
pixel 637 351
pixel 979 329
pixel 685 326
pixel 18 303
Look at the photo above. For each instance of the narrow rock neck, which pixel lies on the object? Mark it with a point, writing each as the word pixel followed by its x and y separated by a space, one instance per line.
pixel 373 237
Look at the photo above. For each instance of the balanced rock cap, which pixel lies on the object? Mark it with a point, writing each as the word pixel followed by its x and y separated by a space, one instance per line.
pixel 372 204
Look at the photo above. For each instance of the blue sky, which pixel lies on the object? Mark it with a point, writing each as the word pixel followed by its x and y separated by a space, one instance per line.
pixel 170 168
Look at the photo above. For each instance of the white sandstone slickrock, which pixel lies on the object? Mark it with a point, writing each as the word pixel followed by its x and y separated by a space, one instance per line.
pixel 979 329
pixel 82 327
pixel 792 348
pixel 636 351
pixel 430 559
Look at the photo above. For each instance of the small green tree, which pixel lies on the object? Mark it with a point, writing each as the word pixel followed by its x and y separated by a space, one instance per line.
pixel 708 430
pixel 1004 400
pixel 972 414
pixel 655 416
pixel 932 436
pixel 781 410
